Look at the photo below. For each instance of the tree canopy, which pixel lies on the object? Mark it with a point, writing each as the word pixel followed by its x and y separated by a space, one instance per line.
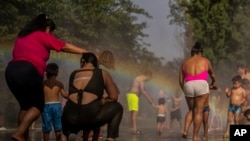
pixel 221 26
pixel 93 24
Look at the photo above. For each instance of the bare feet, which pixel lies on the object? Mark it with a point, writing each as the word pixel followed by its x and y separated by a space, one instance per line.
pixel 133 131
pixel 196 139
pixel 110 139
pixel 205 138
pixel 159 133
pixel 184 135
pixel 15 137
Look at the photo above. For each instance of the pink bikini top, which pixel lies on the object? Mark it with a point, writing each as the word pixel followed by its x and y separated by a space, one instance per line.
pixel 201 76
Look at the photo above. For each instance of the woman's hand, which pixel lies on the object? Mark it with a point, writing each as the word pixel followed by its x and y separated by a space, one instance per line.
pixel 212 86
pixel 106 100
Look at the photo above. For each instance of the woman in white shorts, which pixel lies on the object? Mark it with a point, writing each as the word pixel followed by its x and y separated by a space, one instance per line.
pixel 193 79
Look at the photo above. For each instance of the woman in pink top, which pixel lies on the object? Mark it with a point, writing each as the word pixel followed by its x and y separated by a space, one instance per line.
pixel 24 73
pixel 193 79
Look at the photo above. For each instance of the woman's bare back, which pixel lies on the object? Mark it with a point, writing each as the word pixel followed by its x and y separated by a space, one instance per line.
pixel 195 65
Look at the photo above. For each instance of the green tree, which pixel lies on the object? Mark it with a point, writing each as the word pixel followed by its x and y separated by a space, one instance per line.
pixel 219 25
pixel 94 24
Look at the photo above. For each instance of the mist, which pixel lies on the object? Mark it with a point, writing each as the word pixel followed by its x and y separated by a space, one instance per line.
pixel 162 38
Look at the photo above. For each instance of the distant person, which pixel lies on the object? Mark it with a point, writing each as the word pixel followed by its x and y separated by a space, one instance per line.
pixel 161 114
pixel 86 108
pixel 215 108
pixel 246 104
pixel 133 95
pixel 52 113
pixel 206 112
pixel 24 73
pixel 193 79
pixel 243 71
pixel 237 96
pixel 246 107
pixel 176 110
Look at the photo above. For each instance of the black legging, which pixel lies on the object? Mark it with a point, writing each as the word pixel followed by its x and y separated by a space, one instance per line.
pixel 91 116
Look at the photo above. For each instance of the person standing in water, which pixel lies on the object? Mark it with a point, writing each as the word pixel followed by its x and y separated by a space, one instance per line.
pixel 193 79
pixel 215 107
pixel 161 114
pixel 176 109
pixel 52 112
pixel 136 88
pixel 237 96
pixel 243 71
pixel 30 54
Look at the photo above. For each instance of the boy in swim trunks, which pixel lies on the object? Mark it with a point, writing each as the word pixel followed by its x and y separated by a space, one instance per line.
pixel 52 112
pixel 176 109
pixel 161 114
pixel 133 94
pixel 237 97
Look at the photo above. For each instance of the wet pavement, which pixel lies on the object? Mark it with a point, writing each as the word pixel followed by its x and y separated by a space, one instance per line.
pixel 148 134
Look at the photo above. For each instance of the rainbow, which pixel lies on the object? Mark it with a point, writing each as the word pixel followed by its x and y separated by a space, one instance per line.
pixel 122 76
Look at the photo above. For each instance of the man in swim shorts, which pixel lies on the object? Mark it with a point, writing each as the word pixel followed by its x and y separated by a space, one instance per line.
pixel 137 87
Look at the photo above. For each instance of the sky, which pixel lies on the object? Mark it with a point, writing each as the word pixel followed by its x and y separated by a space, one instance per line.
pixel 162 35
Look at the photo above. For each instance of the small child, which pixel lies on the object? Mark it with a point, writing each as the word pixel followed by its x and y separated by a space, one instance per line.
pixel 52 112
pixel 161 114
pixel 237 97
pixel 176 109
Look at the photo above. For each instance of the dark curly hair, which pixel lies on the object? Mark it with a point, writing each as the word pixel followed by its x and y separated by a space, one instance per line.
pixel 40 22
pixel 52 70
pixel 89 58
pixel 161 101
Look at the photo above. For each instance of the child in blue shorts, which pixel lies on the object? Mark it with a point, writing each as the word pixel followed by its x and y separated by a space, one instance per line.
pixel 51 115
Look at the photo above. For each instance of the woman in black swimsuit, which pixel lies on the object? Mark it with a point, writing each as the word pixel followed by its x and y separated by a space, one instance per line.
pixel 86 108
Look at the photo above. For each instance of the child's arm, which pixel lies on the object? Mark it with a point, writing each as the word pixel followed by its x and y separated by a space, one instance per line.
pixel 243 100
pixel 64 93
pixel 176 108
pixel 154 106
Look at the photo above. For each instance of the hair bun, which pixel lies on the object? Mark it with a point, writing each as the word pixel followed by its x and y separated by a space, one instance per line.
pixel 197 45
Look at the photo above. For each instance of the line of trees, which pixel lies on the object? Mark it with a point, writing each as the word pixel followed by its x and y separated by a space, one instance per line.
pixel 94 24
pixel 222 26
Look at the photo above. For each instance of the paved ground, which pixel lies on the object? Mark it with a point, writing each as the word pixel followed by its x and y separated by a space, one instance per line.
pixel 148 135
